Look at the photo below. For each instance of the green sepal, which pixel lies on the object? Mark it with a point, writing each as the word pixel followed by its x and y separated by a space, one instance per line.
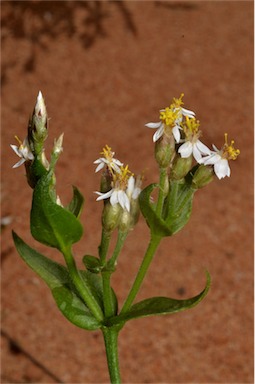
pixel 56 276
pixel 156 224
pixel 50 223
pixel 178 205
pixel 92 263
pixel 76 204
pixel 160 306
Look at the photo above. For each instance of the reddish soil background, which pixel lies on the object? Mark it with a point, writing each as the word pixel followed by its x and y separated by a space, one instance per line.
pixel 105 69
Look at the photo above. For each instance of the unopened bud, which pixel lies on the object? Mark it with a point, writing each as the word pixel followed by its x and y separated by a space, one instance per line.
pixel 181 166
pixel 37 127
pixel 58 148
pixel 202 176
pixel 111 216
pixel 165 151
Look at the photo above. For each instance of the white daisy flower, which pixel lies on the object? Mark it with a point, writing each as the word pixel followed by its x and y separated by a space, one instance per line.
pixel 171 119
pixel 192 145
pixel 124 189
pixel 108 160
pixel 23 151
pixel 219 158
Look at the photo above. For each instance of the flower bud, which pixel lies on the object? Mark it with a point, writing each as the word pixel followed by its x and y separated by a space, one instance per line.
pixel 202 176
pixel 111 216
pixel 129 219
pixel 181 166
pixel 58 148
pixel 37 127
pixel 165 150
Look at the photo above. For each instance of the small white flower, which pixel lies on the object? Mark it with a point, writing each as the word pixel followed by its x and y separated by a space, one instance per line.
pixel 23 151
pixel 117 196
pixel 219 158
pixel 171 119
pixel 195 147
pixel 108 160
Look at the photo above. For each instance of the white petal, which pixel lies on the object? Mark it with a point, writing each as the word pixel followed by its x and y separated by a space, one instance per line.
pixel 103 196
pixel 16 150
pixel 19 163
pixel 186 149
pixel 222 169
pixel 176 133
pixel 203 148
pixel 153 125
pixel 99 167
pixel 157 135
pixel 114 198
pixel 196 153
pixel 124 200
pixel 130 186
pixel 187 112
pixel 211 159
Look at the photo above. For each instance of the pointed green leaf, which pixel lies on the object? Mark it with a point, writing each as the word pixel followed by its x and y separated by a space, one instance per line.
pixel 76 204
pixel 160 306
pixel 51 224
pixel 155 223
pixel 56 276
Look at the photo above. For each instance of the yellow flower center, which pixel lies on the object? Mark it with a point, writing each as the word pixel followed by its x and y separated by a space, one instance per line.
pixel 229 152
pixel 176 103
pixel 169 115
pixel 120 180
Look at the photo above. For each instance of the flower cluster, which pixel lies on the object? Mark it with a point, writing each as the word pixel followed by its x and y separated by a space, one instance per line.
pixel 181 124
pixel 124 187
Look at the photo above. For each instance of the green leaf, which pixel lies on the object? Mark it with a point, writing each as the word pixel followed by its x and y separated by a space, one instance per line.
pixel 160 306
pixel 52 224
pixel 76 204
pixel 155 223
pixel 57 278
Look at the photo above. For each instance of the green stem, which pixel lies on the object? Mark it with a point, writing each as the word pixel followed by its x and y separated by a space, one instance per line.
pixel 120 242
pixel 154 242
pixel 109 307
pixel 104 245
pixel 111 347
pixel 81 286
pixel 161 195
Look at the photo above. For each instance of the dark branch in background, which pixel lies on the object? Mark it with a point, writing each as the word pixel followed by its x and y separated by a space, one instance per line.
pixel 17 349
pixel 38 22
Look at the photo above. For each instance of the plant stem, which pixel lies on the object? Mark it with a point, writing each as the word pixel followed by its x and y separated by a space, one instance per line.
pixel 161 195
pixel 154 242
pixel 109 307
pixel 104 245
pixel 111 347
pixel 82 287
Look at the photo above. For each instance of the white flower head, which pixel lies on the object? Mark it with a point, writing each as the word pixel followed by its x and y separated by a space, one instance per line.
pixel 108 160
pixel 23 151
pixel 192 144
pixel 219 158
pixel 124 189
pixel 170 120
